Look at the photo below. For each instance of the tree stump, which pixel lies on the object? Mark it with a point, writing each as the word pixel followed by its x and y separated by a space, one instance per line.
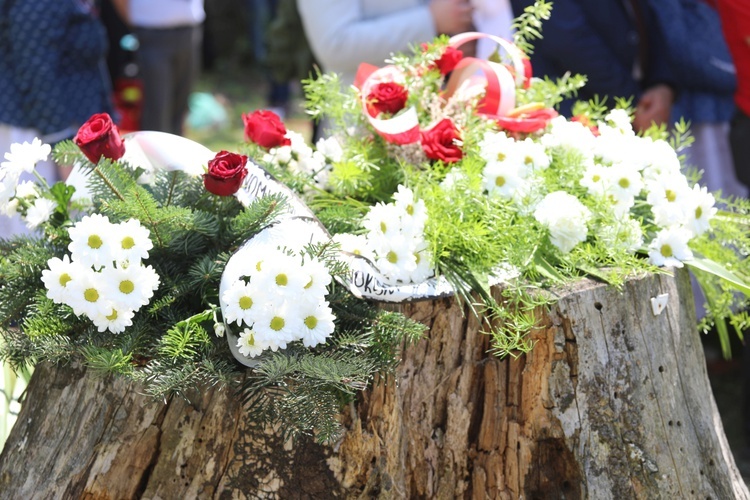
pixel 612 402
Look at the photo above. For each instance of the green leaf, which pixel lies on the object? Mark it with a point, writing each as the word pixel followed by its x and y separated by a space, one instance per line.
pixel 716 269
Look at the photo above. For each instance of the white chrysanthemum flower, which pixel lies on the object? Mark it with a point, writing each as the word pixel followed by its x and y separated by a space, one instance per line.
pixel 502 178
pixel 396 259
pixel 612 147
pixel 620 120
pixel 670 247
pixel 317 276
pixel 129 287
pixel 281 155
pixel 595 179
pixel 382 221
pixel 299 144
pixel 534 155
pixel 403 198
pixel 59 275
pixel 565 217
pixel 240 301
pixel 24 157
pixel 131 241
pixel 623 235
pixel 40 212
pixel 669 196
pixel 528 195
pixel 452 178
pixel 282 275
pixel 11 208
pixel 497 146
pixel 330 148
pixel 27 189
pixel 312 164
pixel 569 134
pixel 88 294
pixel 91 241
pixel 354 243
pixel 661 159
pixel 624 184
pixel 278 324
pixel 116 321
pixel 700 210
pixel 317 323
pixel 250 345
pixel 425 268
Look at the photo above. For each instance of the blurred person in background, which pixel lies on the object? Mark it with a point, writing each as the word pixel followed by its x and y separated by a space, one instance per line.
pixel 53 77
pixel 617 44
pixel 344 33
pixel 169 34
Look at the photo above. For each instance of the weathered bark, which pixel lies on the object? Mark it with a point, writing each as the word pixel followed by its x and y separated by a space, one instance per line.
pixel 612 402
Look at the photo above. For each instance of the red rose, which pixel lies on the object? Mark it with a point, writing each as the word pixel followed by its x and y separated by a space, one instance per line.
pixel 386 97
pixel 586 122
pixel 225 173
pixel 527 122
pixel 439 142
pixel 265 129
pixel 449 60
pixel 99 137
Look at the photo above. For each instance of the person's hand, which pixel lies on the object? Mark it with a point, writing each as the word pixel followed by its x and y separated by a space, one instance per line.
pixel 451 16
pixel 654 106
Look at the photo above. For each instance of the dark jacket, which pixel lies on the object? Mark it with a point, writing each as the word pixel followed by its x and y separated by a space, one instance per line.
pixel 52 64
pixel 603 40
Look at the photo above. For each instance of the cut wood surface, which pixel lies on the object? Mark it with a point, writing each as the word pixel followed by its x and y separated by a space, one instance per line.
pixel 612 402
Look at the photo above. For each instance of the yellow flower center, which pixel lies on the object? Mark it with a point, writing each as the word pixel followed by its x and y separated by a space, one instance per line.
pixel 416 256
pixel 95 241
pixel 127 286
pixel 91 294
pixel 250 340
pixel 64 279
pixel 698 212
pixel 528 160
pixel 500 181
pixel 666 250
pixel 277 323
pixel 357 252
pixel 392 257
pixel 500 156
pixel 127 243
pixel 410 209
pixel 671 195
pixel 246 303
pixel 596 178
pixel 309 284
pixel 112 316
pixel 257 266
pixel 282 279
pixel 311 322
pixel 624 183
pixel 383 227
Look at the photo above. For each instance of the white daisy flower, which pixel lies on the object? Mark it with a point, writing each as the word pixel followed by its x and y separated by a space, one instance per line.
pixel 40 212
pixel 497 146
pixel 317 276
pixel 88 295
pixel 565 217
pixel 534 155
pixel 415 211
pixel 330 148
pixel 91 241
pixel 382 221
pixel 27 189
pixel 24 157
pixel 425 265
pixel 60 274
pixel 130 241
pixel 317 323
pixel 250 345
pixel 661 159
pixel 623 235
pixel 240 301
pixel 116 321
pixel 396 259
pixel 128 287
pixel 219 329
pixel 595 179
pixel 11 208
pixel 670 248
pixel 502 178
pixel 700 210
pixel 282 275
pixel 354 243
pixel 668 196
pixel 278 324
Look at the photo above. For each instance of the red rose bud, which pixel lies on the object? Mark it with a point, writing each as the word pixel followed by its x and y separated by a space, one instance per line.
pixel 99 137
pixel 449 60
pixel 386 97
pixel 439 142
pixel 225 173
pixel 265 129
